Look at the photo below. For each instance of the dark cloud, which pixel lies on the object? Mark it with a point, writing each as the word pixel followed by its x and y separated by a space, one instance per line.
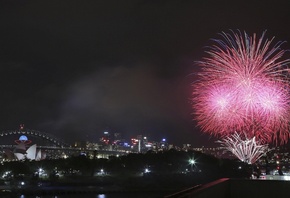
pixel 129 100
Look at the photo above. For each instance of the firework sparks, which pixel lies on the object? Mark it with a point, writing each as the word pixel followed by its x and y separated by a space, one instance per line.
pixel 244 86
pixel 247 150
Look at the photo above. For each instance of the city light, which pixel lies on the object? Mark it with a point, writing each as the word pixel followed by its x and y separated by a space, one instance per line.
pixel 7 174
pixel 191 161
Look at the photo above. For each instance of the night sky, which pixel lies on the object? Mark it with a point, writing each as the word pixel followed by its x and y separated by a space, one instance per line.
pixel 78 68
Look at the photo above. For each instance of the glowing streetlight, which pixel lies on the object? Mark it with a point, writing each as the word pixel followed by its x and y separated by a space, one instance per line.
pixel 191 162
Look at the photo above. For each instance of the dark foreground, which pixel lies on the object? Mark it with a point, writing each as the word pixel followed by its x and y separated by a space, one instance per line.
pixel 106 186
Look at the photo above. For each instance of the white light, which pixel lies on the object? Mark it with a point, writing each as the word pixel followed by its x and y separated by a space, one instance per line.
pixel 247 150
pixel 192 161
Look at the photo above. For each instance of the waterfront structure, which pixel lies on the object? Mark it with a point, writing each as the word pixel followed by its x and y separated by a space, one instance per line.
pixel 23 151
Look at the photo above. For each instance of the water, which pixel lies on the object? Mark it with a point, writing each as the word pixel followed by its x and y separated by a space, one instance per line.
pixel 80 191
pixel 89 195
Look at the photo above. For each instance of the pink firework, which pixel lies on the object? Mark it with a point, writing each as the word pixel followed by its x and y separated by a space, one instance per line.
pixel 243 87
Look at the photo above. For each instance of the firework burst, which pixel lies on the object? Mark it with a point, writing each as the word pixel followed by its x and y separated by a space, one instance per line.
pixel 243 86
pixel 247 150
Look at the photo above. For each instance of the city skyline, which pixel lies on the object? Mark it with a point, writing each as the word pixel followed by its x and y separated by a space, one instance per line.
pixel 75 69
pixel 9 137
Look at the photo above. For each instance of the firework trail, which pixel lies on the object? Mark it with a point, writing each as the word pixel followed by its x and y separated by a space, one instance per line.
pixel 247 150
pixel 243 86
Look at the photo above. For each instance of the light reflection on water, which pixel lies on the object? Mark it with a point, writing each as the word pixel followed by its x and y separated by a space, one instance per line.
pixel 67 196
pixel 111 195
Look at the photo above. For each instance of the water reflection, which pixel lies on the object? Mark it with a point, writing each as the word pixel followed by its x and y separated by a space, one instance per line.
pixel 64 196
pixel 110 195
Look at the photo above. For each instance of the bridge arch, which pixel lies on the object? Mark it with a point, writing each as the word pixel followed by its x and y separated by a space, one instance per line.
pixel 35 133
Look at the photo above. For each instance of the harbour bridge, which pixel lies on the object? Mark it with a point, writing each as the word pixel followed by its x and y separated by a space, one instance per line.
pixel 55 143
pixel 48 137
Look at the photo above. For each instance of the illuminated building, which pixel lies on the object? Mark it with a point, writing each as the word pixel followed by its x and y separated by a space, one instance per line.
pixel 22 151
